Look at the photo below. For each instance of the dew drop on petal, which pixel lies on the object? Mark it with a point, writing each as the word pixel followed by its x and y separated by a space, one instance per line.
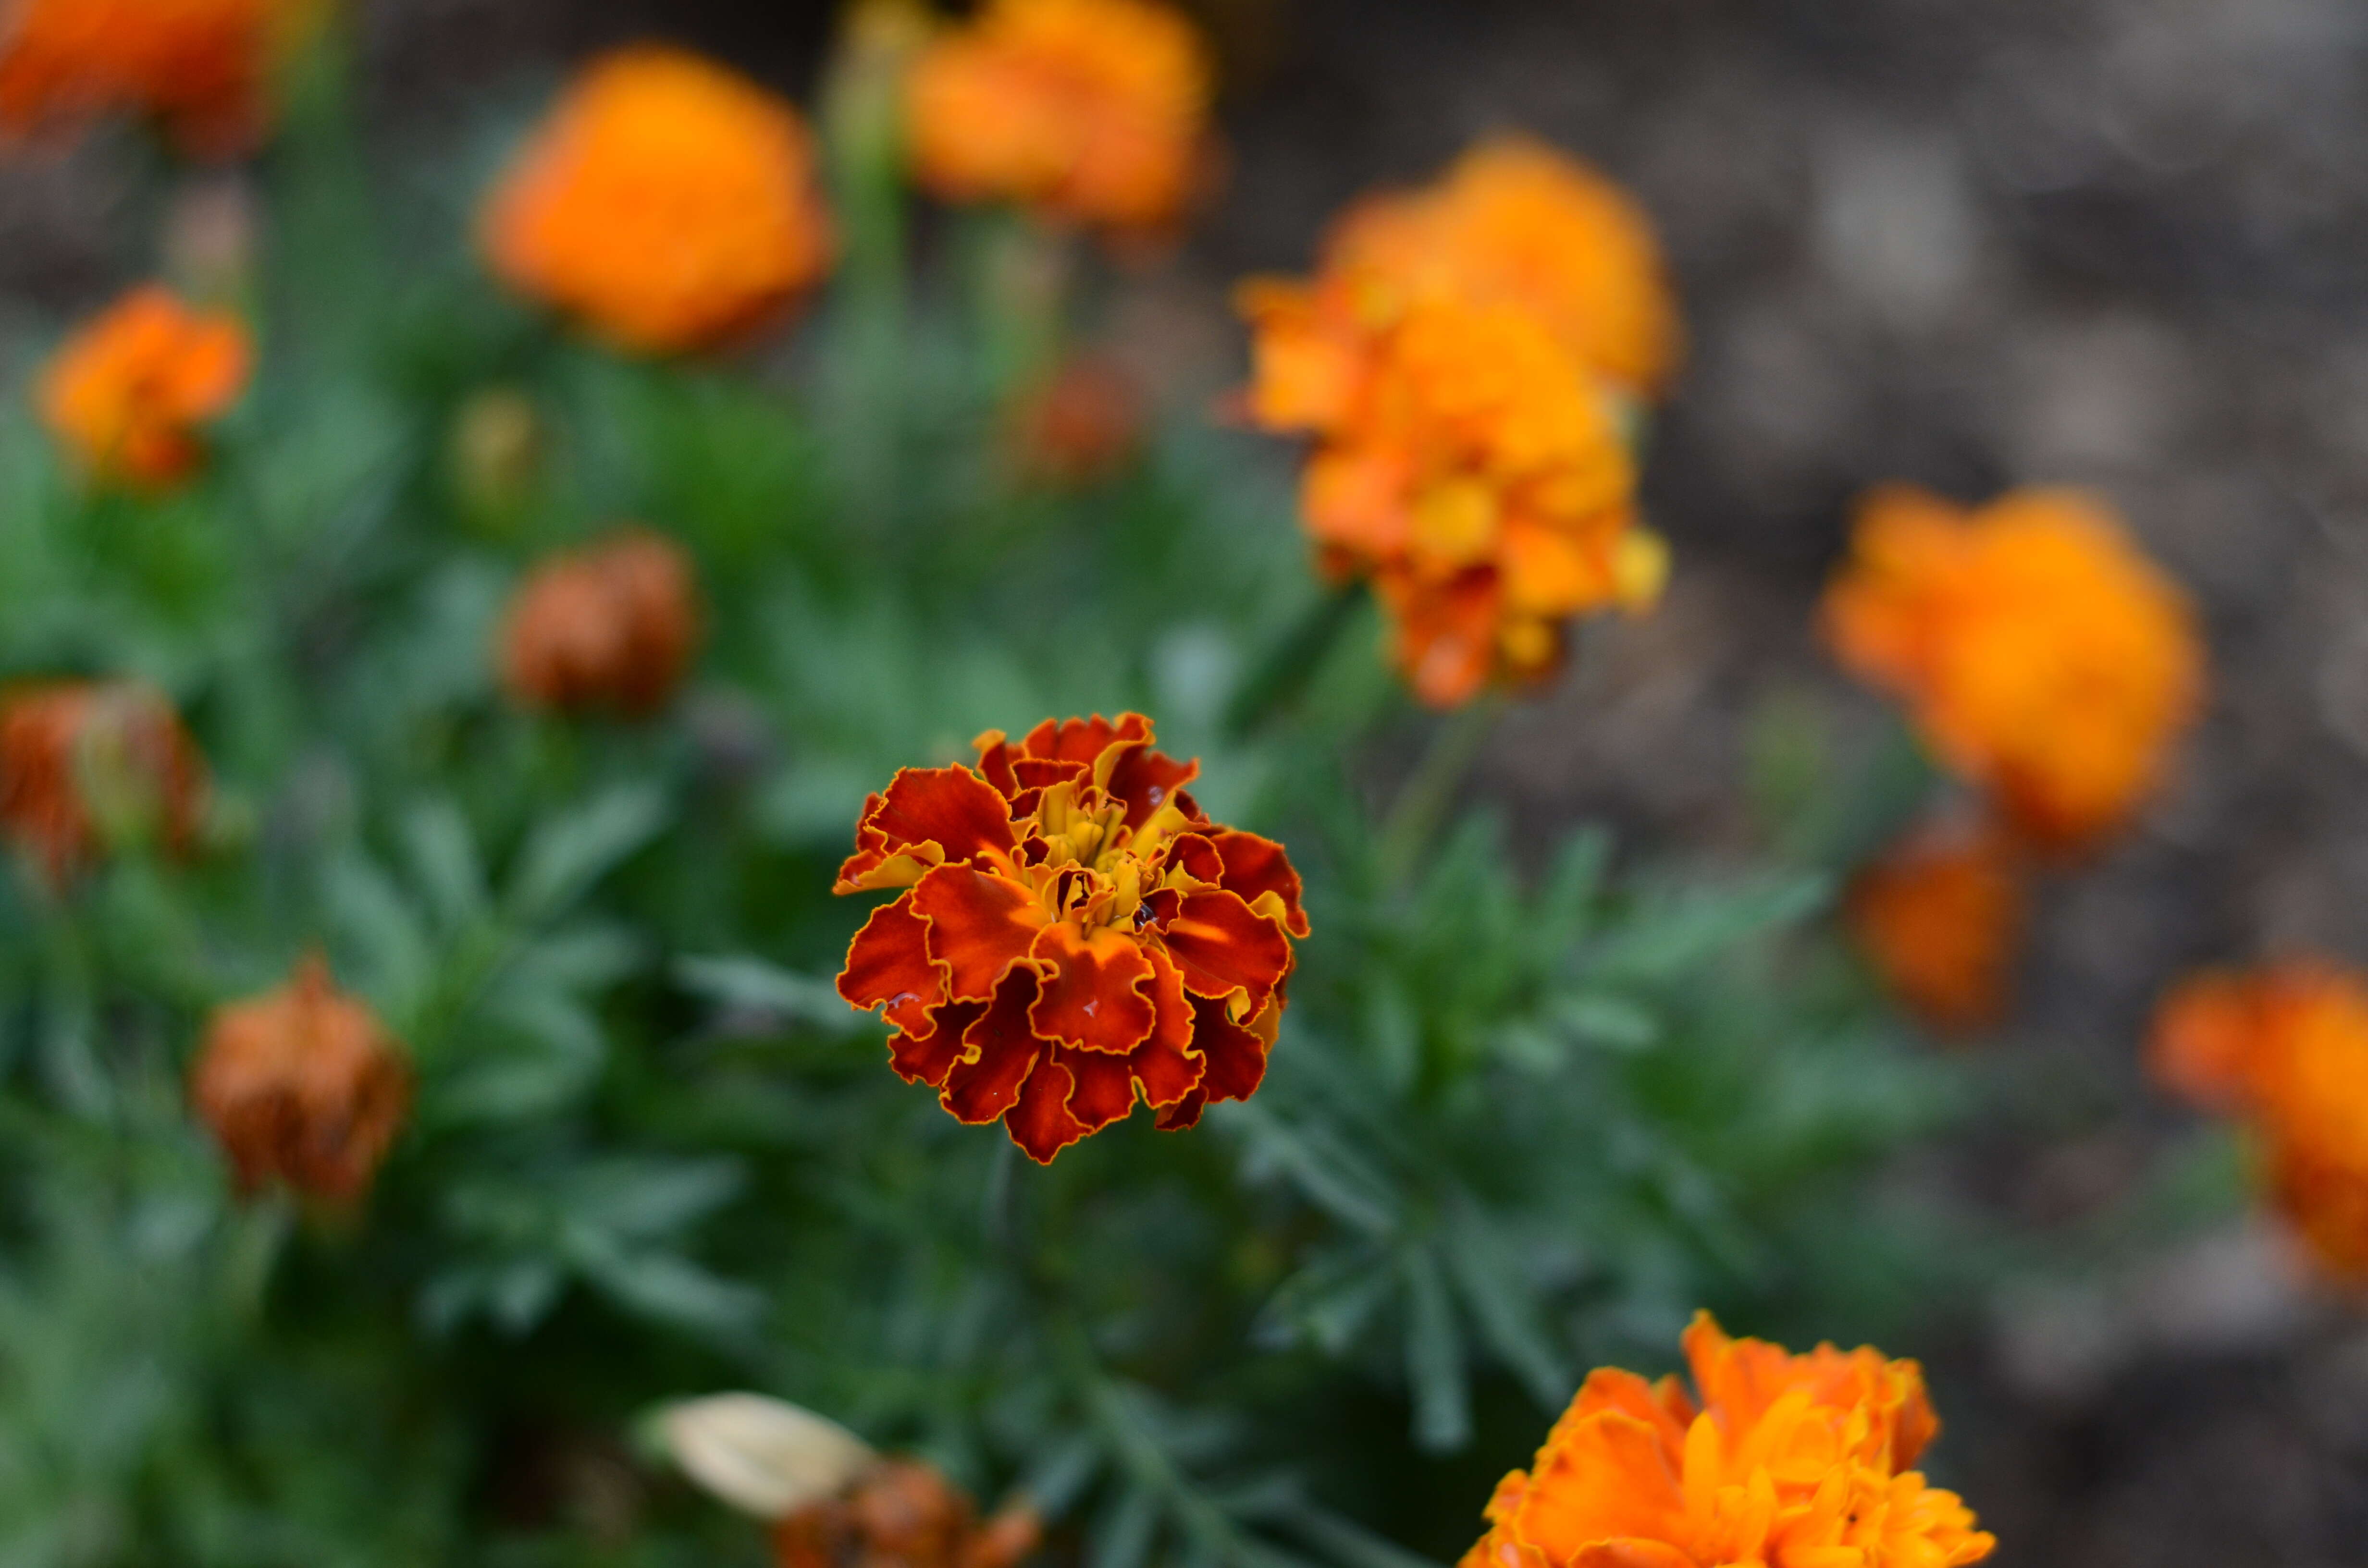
pixel 1157 794
pixel 1092 1007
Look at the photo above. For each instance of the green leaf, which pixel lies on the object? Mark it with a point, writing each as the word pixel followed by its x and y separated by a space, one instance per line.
pixel 1434 1357
pixel 577 848
pixel 739 984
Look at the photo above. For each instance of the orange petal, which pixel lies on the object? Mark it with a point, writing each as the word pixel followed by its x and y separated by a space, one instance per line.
pixel 1196 856
pixel 1166 1065
pixel 1041 1122
pixel 999 1050
pixel 1095 988
pixel 980 926
pixel 1225 948
pixel 927 1057
pixel 1608 1479
pixel 950 807
pixel 1255 865
pixel 888 967
pixel 1235 1056
pixel 1632 1552
pixel 1105 1087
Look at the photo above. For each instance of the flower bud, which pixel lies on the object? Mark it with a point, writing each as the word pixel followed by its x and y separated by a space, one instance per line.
pixel 609 627
pixel 87 767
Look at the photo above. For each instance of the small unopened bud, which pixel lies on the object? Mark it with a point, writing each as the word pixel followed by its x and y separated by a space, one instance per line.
pixel 497 455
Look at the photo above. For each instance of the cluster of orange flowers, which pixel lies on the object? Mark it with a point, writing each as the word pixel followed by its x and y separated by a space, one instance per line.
pixel 200 67
pixel 1463 359
pixel 2285 1048
pixel 1773 1460
pixel 1072 932
pixel 130 392
pixel 2047 663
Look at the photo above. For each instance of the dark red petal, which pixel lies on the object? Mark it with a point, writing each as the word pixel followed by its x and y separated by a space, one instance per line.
pixel 1096 989
pixel 871 849
pixel 1255 865
pixel 1000 1049
pixel 1040 773
pixel 1184 1113
pixel 1146 779
pixel 1236 1056
pixel 1166 1064
pixel 1224 946
pixel 950 807
pixel 980 924
pixel 1041 1124
pixel 994 763
pixel 888 967
pixel 1198 858
pixel 928 1058
pixel 1084 740
pixel 1105 1088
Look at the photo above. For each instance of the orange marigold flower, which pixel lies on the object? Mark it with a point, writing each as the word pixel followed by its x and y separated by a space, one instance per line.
pixel 2040 655
pixel 2284 1047
pixel 1088 111
pixel 1941 915
pixel 1073 931
pixel 202 67
pixel 85 764
pixel 611 626
pixel 1774 1462
pixel 127 394
pixel 667 201
pixel 301 1084
pixel 903 1513
pixel 1468 465
pixel 1082 426
pixel 1521 223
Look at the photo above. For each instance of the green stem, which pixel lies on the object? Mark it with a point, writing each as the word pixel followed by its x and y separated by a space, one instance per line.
pixel 1283 676
pixel 1424 802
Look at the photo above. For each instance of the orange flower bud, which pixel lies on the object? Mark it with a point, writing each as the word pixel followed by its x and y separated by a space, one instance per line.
pixel 1083 425
pixel 1072 933
pixel 1086 111
pixel 1941 915
pixel 88 766
pixel 611 626
pixel 903 1513
pixel 668 203
pixel 1773 1459
pixel 303 1085
pixel 2042 657
pixel 2285 1049
pixel 200 66
pixel 127 394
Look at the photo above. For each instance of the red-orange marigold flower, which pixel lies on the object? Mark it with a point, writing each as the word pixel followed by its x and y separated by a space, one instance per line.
pixel 2286 1048
pixel 127 394
pixel 903 1513
pixel 610 626
pixel 1774 1462
pixel 202 67
pixel 2040 655
pixel 1468 465
pixel 84 763
pixel 667 201
pixel 1941 915
pixel 1075 931
pixel 1081 426
pixel 1090 112
pixel 301 1084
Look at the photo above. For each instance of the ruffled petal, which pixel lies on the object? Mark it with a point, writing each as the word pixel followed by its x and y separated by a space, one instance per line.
pixel 998 1052
pixel 1254 865
pixel 1225 948
pixel 994 763
pixel 1195 855
pixel 1105 1087
pixel 1235 1056
pixel 888 967
pixel 952 808
pixel 980 924
pixel 1041 1124
pixel 1166 1065
pixel 1143 781
pixel 1095 994
pixel 1184 1113
pixel 927 1057
pixel 1607 1478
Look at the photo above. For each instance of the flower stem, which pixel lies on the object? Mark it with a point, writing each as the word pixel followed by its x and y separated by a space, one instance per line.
pixel 1282 675
pixel 1423 802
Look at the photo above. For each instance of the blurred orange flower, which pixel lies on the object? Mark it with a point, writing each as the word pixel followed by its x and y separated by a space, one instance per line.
pixel 1941 915
pixel 1468 465
pixel 128 392
pixel 610 626
pixel 1082 426
pixel 202 67
pixel 86 765
pixel 903 1513
pixel 1774 1462
pixel 1075 931
pixel 1087 112
pixel 2040 655
pixel 2286 1046
pixel 301 1084
pixel 1520 222
pixel 667 201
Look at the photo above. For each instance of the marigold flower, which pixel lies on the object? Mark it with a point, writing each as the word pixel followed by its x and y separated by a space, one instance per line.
pixel 1082 426
pixel 1941 915
pixel 127 394
pixel 2284 1047
pixel 668 203
pixel 610 626
pixel 2040 655
pixel 86 765
pixel 202 67
pixel 1075 931
pixel 903 1513
pixel 1468 465
pixel 1087 112
pixel 1774 1462
pixel 301 1084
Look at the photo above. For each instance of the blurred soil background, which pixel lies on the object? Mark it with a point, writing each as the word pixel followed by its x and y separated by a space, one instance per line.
pixel 2116 242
